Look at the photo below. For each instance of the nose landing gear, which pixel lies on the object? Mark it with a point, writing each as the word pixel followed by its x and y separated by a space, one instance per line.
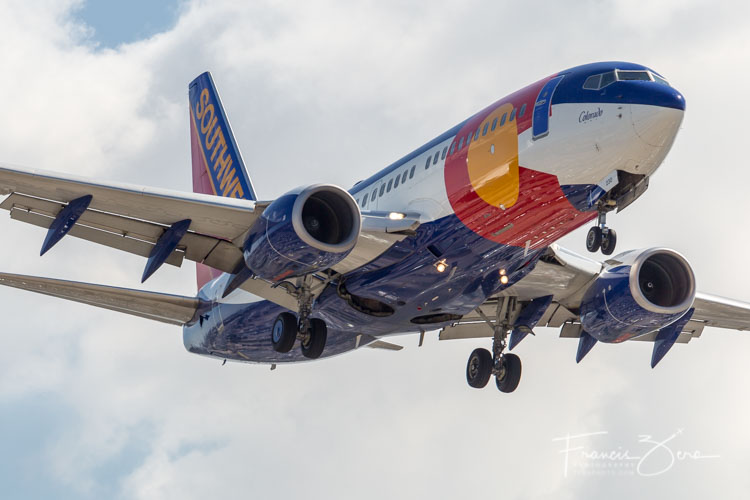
pixel 601 237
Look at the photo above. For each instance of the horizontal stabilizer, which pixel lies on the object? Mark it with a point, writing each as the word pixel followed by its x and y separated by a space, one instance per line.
pixel 167 308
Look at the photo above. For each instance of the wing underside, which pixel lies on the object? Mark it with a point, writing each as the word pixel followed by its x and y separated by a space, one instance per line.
pixel 566 276
pixel 166 308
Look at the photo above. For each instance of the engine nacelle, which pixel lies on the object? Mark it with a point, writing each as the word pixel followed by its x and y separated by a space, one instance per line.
pixel 304 231
pixel 645 290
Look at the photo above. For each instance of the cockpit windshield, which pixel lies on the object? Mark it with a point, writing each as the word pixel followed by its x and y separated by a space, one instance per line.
pixel 597 82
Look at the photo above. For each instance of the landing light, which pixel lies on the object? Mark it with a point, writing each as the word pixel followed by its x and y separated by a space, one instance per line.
pixel 441 266
pixel 504 280
pixel 396 215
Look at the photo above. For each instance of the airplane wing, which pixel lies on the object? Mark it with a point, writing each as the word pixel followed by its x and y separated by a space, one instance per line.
pixel 566 276
pixel 172 309
pixel 133 218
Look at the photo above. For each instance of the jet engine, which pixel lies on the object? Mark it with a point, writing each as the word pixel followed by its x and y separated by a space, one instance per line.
pixel 304 231
pixel 638 292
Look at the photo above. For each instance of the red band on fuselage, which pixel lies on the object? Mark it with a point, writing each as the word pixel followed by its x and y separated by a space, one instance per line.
pixel 539 214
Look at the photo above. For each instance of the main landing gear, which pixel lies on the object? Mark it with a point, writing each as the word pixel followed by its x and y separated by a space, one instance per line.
pixel 601 237
pixel 506 367
pixel 286 331
pixel 311 332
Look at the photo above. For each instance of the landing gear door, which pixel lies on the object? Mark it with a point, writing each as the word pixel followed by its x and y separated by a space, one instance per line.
pixel 540 123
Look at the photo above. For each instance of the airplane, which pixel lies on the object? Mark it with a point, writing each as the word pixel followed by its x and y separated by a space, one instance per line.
pixel 457 236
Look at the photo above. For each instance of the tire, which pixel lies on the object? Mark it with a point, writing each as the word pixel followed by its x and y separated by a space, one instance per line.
pixel 511 373
pixel 479 368
pixel 314 346
pixel 594 239
pixel 608 242
pixel 284 332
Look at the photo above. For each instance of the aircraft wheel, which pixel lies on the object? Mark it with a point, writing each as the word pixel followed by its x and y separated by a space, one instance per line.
pixel 594 239
pixel 510 373
pixel 479 368
pixel 609 240
pixel 313 346
pixel 284 332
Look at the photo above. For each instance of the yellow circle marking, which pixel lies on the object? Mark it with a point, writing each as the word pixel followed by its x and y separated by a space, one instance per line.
pixel 492 160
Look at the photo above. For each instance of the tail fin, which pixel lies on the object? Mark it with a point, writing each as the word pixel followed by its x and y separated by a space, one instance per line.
pixel 218 168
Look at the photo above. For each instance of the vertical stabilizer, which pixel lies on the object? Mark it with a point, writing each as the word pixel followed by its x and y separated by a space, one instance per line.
pixel 218 168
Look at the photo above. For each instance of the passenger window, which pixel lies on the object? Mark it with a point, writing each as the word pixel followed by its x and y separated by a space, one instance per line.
pixel 476 135
pixel 486 126
pixel 523 110
pixel 427 163
pixel 494 124
pixel 502 120
pixel 445 150
pixel 382 189
pixel 437 157
pixel 364 201
pixel 453 147
pixel 513 114
pixel 396 181
pixel 461 143
pixel 390 184
pixel 403 179
pixel 374 193
pixel 411 173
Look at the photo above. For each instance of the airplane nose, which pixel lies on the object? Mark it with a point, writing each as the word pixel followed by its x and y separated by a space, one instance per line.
pixel 657 123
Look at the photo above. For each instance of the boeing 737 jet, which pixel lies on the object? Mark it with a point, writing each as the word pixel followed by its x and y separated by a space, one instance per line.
pixel 457 236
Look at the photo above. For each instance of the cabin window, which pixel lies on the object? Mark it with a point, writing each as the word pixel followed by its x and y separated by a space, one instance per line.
pixel 502 120
pixel 592 82
pixel 411 172
pixel 427 163
pixel 445 151
pixel 382 189
pixel 513 114
pixel 633 75
pixel 403 178
pixel 523 110
pixel 607 78
pixel 494 124
pixel 437 157
pixel 476 135
pixel 396 181
pixel 453 147
pixel 364 201
pixel 461 143
pixel 486 127
pixel 374 193
pixel 390 184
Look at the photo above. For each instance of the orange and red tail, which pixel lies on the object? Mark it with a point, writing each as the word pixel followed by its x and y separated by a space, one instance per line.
pixel 218 168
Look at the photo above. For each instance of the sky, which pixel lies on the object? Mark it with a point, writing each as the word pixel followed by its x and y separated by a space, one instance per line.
pixel 94 404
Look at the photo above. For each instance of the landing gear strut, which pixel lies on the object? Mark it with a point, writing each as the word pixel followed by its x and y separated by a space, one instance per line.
pixel 506 367
pixel 311 332
pixel 600 236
